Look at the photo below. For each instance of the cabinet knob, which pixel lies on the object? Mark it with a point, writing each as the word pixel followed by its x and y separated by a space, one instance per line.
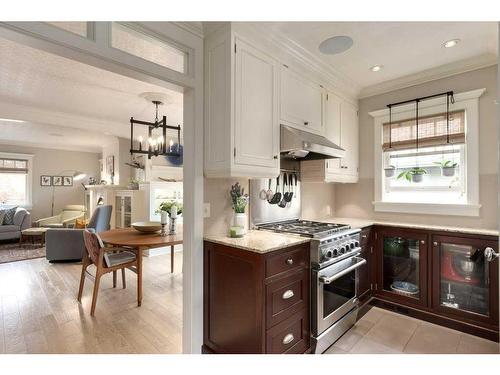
pixel 435 243
pixel 289 261
pixel 306 123
pixel 489 254
pixel 288 339
pixel 422 242
pixel 288 294
pixel 363 236
pixel 275 157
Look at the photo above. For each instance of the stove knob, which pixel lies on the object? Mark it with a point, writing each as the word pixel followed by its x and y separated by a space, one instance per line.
pixel 328 254
pixel 335 252
pixel 342 250
pixel 352 245
pixel 356 243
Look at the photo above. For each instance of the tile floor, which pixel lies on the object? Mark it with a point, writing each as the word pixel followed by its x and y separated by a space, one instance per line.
pixel 385 332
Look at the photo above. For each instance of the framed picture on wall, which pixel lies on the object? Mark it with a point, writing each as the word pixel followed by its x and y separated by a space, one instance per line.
pixel 67 180
pixel 57 181
pixel 45 180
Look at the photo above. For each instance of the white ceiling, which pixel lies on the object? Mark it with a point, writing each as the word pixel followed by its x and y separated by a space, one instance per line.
pixel 53 93
pixel 403 48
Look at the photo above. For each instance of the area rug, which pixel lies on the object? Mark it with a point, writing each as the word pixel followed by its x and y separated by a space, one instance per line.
pixel 13 252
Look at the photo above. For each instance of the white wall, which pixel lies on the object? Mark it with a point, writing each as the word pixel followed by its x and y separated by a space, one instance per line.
pixel 52 162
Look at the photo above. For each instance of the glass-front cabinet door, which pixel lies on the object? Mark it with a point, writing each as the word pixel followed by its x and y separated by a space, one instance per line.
pixel 464 282
pixel 402 261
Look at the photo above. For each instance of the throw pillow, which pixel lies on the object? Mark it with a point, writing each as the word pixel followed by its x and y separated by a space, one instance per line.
pixel 9 216
pixel 2 215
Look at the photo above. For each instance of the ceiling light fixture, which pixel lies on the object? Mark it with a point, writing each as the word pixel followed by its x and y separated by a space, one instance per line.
pixel 451 43
pixel 157 136
pixel 376 68
pixel 11 120
pixel 336 45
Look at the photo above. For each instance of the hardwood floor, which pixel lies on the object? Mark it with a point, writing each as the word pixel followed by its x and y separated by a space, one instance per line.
pixel 39 312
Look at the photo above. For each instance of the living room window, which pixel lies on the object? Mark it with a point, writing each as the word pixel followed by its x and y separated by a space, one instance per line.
pixel 15 179
pixel 435 172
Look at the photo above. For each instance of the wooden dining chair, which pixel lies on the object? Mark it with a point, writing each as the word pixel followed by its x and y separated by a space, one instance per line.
pixel 106 260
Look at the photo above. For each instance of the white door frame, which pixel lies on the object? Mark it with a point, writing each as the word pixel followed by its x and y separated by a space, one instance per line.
pixel 98 52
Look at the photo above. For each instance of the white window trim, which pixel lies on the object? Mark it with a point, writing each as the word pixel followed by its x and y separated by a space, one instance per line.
pixel 469 101
pixel 29 179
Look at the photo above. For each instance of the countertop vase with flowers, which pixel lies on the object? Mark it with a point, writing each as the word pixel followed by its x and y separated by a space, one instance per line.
pixel 239 201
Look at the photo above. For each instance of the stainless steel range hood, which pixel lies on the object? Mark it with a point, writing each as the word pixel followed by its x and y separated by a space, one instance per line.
pixel 302 145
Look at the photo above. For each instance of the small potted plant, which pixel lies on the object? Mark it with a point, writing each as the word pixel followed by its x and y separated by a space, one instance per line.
pixel 239 201
pixel 389 171
pixel 448 168
pixel 415 174
pixel 169 209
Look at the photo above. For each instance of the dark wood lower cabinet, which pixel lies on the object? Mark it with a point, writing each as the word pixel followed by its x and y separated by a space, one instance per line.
pixel 256 303
pixel 447 280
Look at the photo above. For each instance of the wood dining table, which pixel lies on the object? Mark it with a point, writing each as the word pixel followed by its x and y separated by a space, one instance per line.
pixel 129 237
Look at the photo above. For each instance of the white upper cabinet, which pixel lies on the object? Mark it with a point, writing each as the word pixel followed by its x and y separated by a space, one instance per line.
pixel 241 109
pixel 301 101
pixel 344 131
pixel 341 127
pixel 256 127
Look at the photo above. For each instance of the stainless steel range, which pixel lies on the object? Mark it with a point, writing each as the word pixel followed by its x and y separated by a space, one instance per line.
pixel 334 266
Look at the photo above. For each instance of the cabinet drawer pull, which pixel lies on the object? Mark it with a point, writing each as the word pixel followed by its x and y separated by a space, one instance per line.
pixel 306 123
pixel 275 157
pixel 288 339
pixel 435 243
pixel 422 242
pixel 288 294
pixel 363 236
pixel 289 261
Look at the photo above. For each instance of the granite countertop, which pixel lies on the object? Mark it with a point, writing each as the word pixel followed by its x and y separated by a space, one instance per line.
pixel 361 223
pixel 258 241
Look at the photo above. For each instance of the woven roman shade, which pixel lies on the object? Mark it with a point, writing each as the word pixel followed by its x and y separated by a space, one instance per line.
pixel 432 131
pixel 13 165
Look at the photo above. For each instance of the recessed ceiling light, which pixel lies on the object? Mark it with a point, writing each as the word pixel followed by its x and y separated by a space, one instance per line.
pixel 10 120
pixel 335 45
pixel 451 43
pixel 56 135
pixel 376 68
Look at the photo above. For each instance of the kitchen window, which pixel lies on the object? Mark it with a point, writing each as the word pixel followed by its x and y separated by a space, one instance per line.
pixel 436 172
pixel 15 180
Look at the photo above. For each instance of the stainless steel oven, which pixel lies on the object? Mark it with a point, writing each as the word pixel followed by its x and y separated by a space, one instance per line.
pixel 334 300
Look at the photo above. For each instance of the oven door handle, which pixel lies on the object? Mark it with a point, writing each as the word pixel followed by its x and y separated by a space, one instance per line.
pixel 329 280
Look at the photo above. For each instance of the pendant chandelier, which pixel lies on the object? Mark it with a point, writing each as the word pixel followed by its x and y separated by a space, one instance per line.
pixel 156 144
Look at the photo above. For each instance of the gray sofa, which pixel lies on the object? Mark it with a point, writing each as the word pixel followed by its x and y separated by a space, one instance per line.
pixel 67 244
pixel 22 220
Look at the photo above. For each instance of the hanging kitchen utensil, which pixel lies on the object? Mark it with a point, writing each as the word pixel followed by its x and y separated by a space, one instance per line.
pixel 269 192
pixel 263 194
pixel 283 201
pixel 289 194
pixel 295 185
pixel 277 195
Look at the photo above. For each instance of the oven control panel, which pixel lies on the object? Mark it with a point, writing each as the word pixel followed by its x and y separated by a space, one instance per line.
pixel 335 248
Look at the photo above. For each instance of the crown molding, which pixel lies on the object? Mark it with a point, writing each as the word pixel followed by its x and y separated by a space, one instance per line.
pixel 439 72
pixel 195 28
pixel 336 78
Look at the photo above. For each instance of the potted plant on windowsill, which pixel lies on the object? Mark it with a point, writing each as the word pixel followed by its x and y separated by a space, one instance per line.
pixel 415 174
pixel 389 171
pixel 448 168
pixel 239 201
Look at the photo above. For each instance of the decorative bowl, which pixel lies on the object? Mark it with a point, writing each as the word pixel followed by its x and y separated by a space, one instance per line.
pixel 147 226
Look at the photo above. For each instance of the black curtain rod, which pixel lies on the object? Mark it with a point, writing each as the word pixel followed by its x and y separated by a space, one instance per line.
pixel 447 93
